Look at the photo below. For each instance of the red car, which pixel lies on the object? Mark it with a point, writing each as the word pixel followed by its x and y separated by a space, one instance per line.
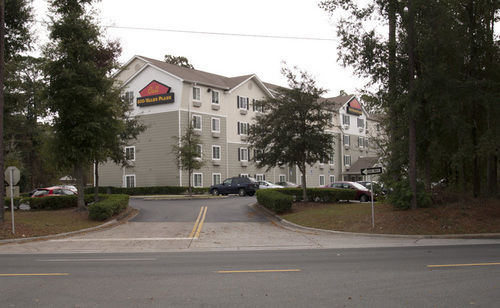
pixel 52 191
pixel 362 193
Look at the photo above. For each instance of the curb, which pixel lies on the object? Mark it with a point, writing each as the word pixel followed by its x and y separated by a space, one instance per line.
pixel 153 198
pixel 290 225
pixel 116 221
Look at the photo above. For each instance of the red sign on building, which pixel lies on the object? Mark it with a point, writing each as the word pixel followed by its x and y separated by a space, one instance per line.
pixel 155 93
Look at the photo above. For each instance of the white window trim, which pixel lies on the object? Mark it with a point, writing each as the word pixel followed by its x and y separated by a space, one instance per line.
pixel 349 140
pixel 201 152
pixel 201 122
pixel 220 178
pixel 241 154
pixel 331 178
pixel 218 97
pixel 130 147
pixel 212 125
pixel 345 156
pixel 192 93
pixel 259 175
pixel 216 146
pixel 244 175
pixel 194 182
pixel 131 176
pixel 247 102
pixel 247 128
pixel 363 121
pixel 322 176
pixel 282 175
pixel 344 117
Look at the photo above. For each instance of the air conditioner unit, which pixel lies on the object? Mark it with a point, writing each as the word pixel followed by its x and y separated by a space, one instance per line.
pixel 361 129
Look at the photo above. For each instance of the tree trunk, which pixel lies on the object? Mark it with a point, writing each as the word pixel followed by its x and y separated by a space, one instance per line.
pixel 190 191
pixel 2 73
pixel 412 125
pixel 96 178
pixel 392 78
pixel 80 186
pixel 304 184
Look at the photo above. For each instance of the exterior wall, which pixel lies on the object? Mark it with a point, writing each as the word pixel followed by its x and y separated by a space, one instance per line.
pixel 154 163
pixel 132 68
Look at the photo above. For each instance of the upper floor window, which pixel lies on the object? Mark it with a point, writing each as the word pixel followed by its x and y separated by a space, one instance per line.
pixel 347 160
pixel 243 128
pixel 242 154
pixel 216 125
pixel 347 140
pixel 331 158
pixel 196 122
pixel 129 97
pixel 257 105
pixel 361 142
pixel 361 123
pixel 243 102
pixel 346 119
pixel 215 97
pixel 199 151
pixel 130 153
pixel 196 94
pixel 216 152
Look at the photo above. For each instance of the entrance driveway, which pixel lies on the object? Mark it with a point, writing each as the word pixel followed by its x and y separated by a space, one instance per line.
pixel 213 224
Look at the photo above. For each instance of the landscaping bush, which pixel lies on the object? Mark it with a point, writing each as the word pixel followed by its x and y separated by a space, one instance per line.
pixel 153 190
pixel 17 201
pixel 51 203
pixel 108 206
pixel 274 200
pixel 399 195
pixel 320 194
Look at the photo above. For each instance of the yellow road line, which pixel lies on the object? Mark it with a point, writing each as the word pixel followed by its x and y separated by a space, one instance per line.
pixel 38 274
pixel 196 223
pixel 259 271
pixel 459 265
pixel 201 223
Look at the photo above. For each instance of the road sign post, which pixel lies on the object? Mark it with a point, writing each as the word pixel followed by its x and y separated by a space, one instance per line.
pixel 12 176
pixel 370 172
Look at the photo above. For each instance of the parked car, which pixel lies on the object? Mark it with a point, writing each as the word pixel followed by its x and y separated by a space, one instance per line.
pixel 236 185
pixel 52 191
pixel 378 188
pixel 287 184
pixel 266 184
pixel 70 187
pixel 362 193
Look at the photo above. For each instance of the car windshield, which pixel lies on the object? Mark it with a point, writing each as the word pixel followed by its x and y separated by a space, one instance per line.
pixel 41 192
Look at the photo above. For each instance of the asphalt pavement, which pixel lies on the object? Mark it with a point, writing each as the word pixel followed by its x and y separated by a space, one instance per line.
pixel 440 276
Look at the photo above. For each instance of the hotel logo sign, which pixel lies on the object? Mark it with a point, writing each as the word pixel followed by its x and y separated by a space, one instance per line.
pixel 353 107
pixel 155 93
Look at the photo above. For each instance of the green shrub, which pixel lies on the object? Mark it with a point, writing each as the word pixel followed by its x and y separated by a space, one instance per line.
pixel 399 195
pixel 17 201
pixel 51 203
pixel 153 190
pixel 108 206
pixel 320 194
pixel 274 200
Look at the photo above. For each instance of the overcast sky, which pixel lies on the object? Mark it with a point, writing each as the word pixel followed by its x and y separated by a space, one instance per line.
pixel 229 55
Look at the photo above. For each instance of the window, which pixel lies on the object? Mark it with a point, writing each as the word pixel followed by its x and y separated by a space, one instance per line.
pixel 129 97
pixel 130 180
pixel 216 125
pixel 360 142
pixel 321 180
pixel 366 143
pixel 196 94
pixel 347 140
pixel 282 178
pixel 331 158
pixel 347 160
pixel 332 178
pixel 256 154
pixel 197 122
pixel 199 151
pixel 243 102
pixel 215 178
pixel 215 97
pixel 243 154
pixel 130 153
pixel 216 152
pixel 198 179
pixel 243 128
pixel 378 127
pixel 331 116
pixel 259 177
pixel 244 175
pixel 346 119
pixel 361 123
pixel 257 106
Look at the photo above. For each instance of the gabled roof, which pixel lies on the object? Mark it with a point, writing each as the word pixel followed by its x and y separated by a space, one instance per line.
pixel 361 163
pixel 336 102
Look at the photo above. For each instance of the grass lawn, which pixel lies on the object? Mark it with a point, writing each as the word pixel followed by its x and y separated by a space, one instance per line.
pixel 476 216
pixel 38 223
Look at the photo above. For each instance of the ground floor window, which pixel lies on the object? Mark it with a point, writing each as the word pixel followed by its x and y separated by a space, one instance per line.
pixel 282 178
pixel 321 180
pixel 197 179
pixel 332 178
pixel 244 175
pixel 130 180
pixel 259 177
pixel 215 178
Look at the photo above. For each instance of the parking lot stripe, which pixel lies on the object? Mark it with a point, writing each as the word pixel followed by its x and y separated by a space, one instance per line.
pixel 460 265
pixel 201 224
pixel 196 223
pixel 259 271
pixel 37 274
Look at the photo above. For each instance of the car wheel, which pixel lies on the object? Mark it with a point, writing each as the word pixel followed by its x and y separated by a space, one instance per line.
pixel 363 198
pixel 251 193
pixel 215 192
pixel 242 192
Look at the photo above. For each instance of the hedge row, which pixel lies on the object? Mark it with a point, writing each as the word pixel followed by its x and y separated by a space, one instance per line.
pixel 17 201
pixel 320 194
pixel 274 200
pixel 153 190
pixel 108 206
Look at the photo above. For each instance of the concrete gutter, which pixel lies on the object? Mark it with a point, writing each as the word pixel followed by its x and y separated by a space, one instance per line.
pixel 121 218
pixel 292 226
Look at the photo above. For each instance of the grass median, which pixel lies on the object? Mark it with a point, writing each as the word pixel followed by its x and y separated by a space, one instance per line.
pixel 481 216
